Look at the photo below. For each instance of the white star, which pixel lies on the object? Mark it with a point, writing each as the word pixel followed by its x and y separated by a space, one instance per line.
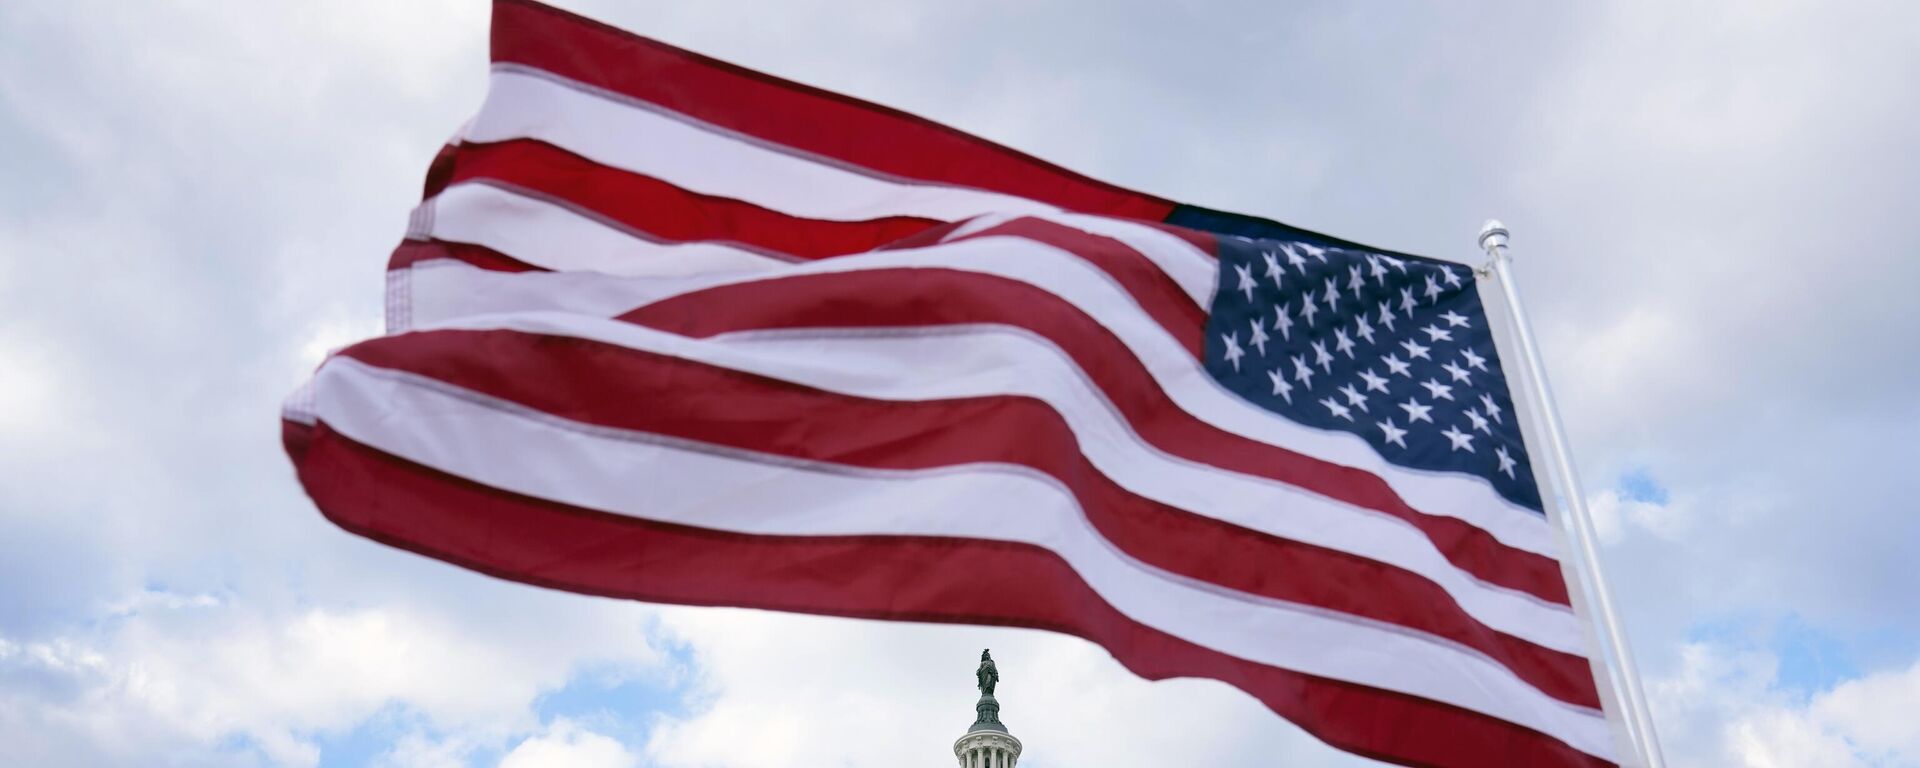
pixel 1458 439
pixel 1375 382
pixel 1473 360
pixel 1436 333
pixel 1259 338
pixel 1273 267
pixel 1321 358
pixel 1414 349
pixel 1479 421
pixel 1282 323
pixel 1416 411
pixel 1453 278
pixel 1437 390
pixel 1433 289
pixel 1245 271
pixel 1336 408
pixel 1458 373
pixel 1353 281
pixel 1455 319
pixel 1506 462
pixel 1308 309
pixel 1406 302
pixel 1493 409
pixel 1294 258
pixel 1354 397
pixel 1386 315
pixel 1280 385
pixel 1396 366
pixel 1332 295
pixel 1395 435
pixel 1301 372
pixel 1379 271
pixel 1362 328
pixel 1315 251
pixel 1234 353
pixel 1342 342
pixel 1397 263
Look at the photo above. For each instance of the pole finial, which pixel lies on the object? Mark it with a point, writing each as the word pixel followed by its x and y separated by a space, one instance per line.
pixel 1493 234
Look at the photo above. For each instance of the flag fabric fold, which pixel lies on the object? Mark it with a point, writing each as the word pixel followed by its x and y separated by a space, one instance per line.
pixel 667 329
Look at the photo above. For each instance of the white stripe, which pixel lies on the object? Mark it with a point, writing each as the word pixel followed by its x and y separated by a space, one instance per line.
pixel 612 130
pixel 1461 496
pixel 989 361
pixel 444 289
pixel 460 433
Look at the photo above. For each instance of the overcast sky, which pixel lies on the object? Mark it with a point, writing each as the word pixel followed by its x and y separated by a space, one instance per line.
pixel 1716 213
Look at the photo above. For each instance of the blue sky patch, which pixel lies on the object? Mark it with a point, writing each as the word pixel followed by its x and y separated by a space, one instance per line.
pixel 1637 484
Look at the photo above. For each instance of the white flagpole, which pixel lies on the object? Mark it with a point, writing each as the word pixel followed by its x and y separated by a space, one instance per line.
pixel 1493 238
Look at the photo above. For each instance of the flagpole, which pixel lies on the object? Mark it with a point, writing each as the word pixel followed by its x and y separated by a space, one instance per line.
pixel 1493 238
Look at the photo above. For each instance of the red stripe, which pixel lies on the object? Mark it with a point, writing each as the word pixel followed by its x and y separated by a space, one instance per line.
pixel 440 171
pixel 411 252
pixel 786 113
pixel 667 212
pixel 932 297
pixel 608 385
pixel 930 579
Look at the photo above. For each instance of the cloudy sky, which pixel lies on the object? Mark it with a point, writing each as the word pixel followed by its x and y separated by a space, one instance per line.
pixel 1714 214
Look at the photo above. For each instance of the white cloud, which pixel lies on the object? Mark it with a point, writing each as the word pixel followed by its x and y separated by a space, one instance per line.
pixel 277 679
pixel 1779 738
pixel 1615 514
pixel 416 750
pixel 1724 706
pixel 1874 713
pixel 567 745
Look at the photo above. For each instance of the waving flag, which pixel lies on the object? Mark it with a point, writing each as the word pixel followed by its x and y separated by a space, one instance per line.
pixel 668 329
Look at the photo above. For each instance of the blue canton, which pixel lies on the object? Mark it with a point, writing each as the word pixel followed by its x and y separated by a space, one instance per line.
pixel 1396 350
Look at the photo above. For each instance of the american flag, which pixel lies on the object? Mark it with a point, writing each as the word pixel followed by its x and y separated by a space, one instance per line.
pixel 668 329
